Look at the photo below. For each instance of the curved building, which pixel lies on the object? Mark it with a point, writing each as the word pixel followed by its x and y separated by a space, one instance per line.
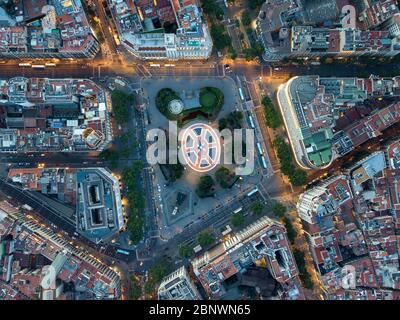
pixel 323 119
pixel 306 111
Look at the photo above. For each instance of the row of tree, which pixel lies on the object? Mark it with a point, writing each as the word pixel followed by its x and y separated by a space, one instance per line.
pixel 256 208
pixel 220 36
pixel 303 272
pixel 206 238
pixel 297 176
pixel 272 118
pixel 279 210
pixel 122 103
pixel 156 274
pixel 135 220
pixel 233 120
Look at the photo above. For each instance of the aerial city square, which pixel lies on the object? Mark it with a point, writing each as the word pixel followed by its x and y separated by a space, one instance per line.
pixel 225 150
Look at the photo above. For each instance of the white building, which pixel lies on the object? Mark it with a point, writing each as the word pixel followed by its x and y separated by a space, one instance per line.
pixel 393 26
pixel 178 286
pixel 324 200
pixel 142 30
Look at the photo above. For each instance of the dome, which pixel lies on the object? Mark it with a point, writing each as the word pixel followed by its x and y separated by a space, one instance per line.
pixel 175 106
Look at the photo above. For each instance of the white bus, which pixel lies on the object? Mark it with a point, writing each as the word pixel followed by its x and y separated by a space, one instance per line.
pixel 255 190
pixel 26 207
pixel 241 94
pixel 24 64
pixel 197 248
pixel 38 66
pixel 264 163
pixel 50 64
pixel 238 210
pixel 251 122
pixel 260 150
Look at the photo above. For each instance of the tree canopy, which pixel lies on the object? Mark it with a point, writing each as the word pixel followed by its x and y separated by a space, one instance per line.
pixel 290 231
pixel 205 238
pixel 135 199
pixel 297 176
pixel 205 187
pixel 221 38
pixel 279 210
pixel 156 274
pixel 246 19
pixel 135 290
pixel 303 273
pixel 213 9
pixel 257 207
pixel 255 50
pixel 163 98
pixel 121 105
pixel 271 115
pixel 237 220
pixel 233 120
pixel 224 177
pixel 175 171
pixel 185 251
pixel 255 4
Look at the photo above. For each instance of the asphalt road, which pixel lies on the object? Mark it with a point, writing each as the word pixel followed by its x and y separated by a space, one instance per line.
pixel 215 219
pixel 55 220
pixel 97 71
pixel 101 14
pixel 85 69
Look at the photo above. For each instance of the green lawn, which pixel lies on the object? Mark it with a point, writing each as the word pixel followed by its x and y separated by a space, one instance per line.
pixel 211 101
pixel 207 99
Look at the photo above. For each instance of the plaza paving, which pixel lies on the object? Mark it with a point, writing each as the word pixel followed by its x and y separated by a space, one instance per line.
pixel 196 207
pixel 152 86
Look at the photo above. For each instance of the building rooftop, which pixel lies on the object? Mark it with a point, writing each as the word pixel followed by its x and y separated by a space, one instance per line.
pixel 361 239
pixel 94 194
pixel 91 278
pixel 317 28
pixel 46 27
pixel 393 154
pixel 178 286
pixel 332 116
pixel 42 114
pixel 160 25
pixel 264 240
